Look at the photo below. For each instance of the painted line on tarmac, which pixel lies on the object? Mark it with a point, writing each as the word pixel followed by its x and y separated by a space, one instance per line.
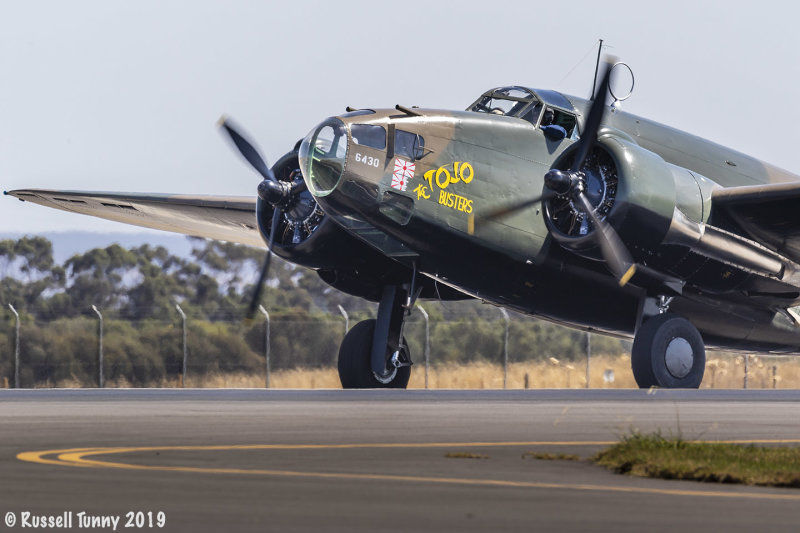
pixel 39 457
pixel 80 457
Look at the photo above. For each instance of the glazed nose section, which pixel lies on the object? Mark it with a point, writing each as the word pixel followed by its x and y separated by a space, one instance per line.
pixel 322 156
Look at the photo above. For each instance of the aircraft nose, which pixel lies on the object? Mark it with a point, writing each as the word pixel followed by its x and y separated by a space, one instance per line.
pixel 322 156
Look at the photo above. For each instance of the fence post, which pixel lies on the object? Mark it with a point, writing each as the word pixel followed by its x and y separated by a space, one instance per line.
pixel 346 319
pixel 505 349
pixel 99 347
pixel 266 343
pixel 427 342
pixel 746 364
pixel 16 347
pixel 183 319
pixel 588 357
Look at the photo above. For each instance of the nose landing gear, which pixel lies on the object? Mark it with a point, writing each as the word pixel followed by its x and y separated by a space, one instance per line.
pixel 374 353
pixel 354 361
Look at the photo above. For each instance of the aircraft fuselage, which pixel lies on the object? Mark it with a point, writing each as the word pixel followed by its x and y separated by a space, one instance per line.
pixel 413 201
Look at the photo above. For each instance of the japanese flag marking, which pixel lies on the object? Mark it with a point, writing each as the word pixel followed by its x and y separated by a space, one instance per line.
pixel 403 172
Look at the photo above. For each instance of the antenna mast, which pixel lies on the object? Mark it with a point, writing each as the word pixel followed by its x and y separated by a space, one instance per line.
pixel 597 67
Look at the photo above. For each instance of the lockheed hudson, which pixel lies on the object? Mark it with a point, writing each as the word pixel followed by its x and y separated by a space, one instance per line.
pixel 555 206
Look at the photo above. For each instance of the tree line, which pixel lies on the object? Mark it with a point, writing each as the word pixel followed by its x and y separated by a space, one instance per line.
pixel 137 289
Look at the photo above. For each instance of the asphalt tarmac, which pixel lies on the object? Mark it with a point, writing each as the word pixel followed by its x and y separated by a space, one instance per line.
pixel 250 460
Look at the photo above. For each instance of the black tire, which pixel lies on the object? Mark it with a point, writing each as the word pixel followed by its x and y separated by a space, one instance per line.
pixel 649 354
pixel 641 359
pixel 355 369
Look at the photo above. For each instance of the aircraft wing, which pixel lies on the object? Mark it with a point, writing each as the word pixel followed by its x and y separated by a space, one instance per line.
pixel 227 218
pixel 770 213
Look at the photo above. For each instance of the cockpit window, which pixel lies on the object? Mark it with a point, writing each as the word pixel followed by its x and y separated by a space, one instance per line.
pixel 532 113
pixel 509 101
pixel 516 92
pixel 558 118
pixel 410 145
pixel 369 135
pixel 497 106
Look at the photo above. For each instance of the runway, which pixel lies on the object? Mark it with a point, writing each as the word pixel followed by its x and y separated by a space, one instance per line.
pixel 332 460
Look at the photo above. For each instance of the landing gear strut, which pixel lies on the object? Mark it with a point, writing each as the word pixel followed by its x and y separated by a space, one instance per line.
pixel 374 353
pixel 668 352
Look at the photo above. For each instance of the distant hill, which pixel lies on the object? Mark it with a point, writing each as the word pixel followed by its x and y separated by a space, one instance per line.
pixel 68 243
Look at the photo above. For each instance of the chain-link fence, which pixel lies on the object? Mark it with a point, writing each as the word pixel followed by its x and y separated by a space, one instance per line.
pixel 467 351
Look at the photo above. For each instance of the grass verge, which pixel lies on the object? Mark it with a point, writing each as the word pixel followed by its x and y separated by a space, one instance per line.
pixel 674 458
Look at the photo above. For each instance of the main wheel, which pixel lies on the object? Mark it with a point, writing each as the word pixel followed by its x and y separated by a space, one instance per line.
pixel 668 352
pixel 355 365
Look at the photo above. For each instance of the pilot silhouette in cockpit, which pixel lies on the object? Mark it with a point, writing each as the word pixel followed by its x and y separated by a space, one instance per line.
pixel 552 131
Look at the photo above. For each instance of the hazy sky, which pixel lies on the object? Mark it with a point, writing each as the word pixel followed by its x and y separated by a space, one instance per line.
pixel 124 96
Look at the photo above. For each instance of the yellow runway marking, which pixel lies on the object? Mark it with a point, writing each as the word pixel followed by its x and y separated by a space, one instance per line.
pixel 78 457
pixel 38 457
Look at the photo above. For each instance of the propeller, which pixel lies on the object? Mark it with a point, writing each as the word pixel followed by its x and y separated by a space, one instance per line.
pixel 278 194
pixel 572 183
pixel 505 210
pixel 262 277
pixel 246 148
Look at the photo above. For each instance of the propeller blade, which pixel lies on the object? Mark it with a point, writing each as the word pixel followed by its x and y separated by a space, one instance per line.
pixel 500 212
pixel 592 124
pixel 247 149
pixel 615 254
pixel 262 277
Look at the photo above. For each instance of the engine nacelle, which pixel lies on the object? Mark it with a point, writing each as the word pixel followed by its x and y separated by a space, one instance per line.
pixel 660 211
pixel 634 189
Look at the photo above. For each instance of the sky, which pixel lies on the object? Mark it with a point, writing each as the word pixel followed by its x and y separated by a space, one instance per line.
pixel 124 96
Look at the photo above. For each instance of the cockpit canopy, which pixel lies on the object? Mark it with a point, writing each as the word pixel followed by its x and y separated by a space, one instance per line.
pixel 511 102
pixel 521 102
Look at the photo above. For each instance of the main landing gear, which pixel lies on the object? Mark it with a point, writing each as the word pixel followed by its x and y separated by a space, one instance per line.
pixel 374 354
pixel 668 352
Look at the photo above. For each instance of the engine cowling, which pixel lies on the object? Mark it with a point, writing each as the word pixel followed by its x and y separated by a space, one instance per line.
pixel 634 189
pixel 660 212
pixel 308 237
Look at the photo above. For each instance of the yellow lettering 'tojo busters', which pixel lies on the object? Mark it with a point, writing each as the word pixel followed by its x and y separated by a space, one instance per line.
pixel 462 171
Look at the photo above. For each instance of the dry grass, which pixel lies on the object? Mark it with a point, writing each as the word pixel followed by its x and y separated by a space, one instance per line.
pixel 465 455
pixel 542 456
pixel 722 371
pixel 551 374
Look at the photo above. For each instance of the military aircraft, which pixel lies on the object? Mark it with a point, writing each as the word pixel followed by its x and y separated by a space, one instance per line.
pixel 556 206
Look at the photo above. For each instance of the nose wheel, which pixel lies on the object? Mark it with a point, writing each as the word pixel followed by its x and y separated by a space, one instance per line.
pixel 668 352
pixel 355 356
